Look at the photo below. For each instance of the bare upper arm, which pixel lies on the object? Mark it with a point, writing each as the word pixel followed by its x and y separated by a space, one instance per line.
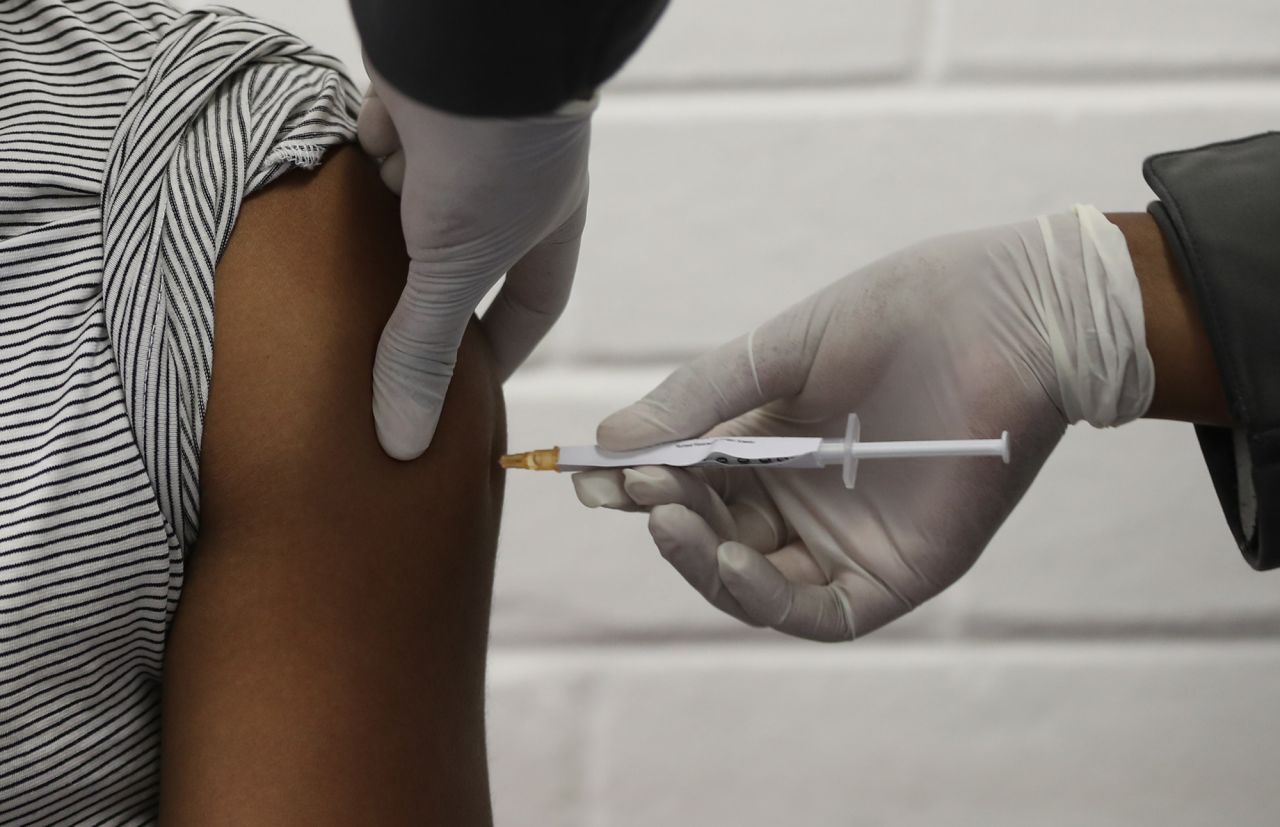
pixel 326 661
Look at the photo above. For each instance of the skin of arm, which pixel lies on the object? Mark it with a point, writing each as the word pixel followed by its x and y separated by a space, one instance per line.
pixel 1188 386
pixel 326 662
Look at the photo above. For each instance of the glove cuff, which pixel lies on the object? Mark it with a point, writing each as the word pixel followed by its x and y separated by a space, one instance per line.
pixel 577 107
pixel 1094 319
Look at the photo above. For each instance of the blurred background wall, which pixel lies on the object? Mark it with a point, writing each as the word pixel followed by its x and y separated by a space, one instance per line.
pixel 1111 660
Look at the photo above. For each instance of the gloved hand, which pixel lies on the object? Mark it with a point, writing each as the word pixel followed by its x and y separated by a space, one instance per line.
pixel 479 197
pixel 1024 328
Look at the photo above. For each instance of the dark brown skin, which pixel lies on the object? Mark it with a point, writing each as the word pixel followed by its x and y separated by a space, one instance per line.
pixel 1188 385
pixel 326 665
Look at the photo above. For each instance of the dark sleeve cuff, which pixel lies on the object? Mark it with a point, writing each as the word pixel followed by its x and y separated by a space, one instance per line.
pixel 501 58
pixel 1219 211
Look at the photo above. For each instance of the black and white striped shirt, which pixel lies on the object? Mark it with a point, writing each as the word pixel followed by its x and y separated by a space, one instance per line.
pixel 129 134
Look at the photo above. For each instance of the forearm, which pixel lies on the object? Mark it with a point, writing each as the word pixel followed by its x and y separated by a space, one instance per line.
pixel 1188 386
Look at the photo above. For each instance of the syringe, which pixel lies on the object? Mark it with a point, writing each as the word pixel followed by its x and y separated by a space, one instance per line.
pixel 759 452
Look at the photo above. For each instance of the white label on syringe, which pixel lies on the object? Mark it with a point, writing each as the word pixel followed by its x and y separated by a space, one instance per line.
pixel 789 452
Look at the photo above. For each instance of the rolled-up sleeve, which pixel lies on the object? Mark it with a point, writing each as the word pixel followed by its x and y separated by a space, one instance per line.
pixel 1219 210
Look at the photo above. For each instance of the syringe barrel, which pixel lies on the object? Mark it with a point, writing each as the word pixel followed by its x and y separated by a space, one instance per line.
pixel 833 451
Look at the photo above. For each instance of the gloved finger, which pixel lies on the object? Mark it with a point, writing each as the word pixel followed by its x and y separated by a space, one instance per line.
pixel 765 594
pixel 766 364
pixel 603 488
pixel 391 169
pixel 534 294
pixel 753 520
pixel 759 523
pixel 639 489
pixel 415 360
pixel 797 564
pixel 754 510
pixel 689 545
pixel 652 485
pixel 375 129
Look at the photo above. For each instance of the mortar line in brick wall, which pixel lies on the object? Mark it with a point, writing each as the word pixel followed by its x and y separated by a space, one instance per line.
pixel 582 688
pixel 554 382
pixel 650 359
pixel 967 632
pixel 1107 74
pixel 935 74
pixel 861 80
pixel 933 47
pixel 694 106
pixel 593 664
pixel 931 70
pixel 593 800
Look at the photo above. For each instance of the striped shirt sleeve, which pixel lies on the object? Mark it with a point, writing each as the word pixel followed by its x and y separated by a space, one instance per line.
pixel 130 133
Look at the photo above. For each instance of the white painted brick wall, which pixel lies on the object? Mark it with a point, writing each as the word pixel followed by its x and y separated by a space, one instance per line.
pixel 767 43
pixel 1099 734
pixel 1101 38
pixel 705 204
pixel 1109 660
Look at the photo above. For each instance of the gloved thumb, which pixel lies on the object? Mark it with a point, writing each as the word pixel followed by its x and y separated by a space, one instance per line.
pixel 414 364
pixel 379 138
pixel 715 387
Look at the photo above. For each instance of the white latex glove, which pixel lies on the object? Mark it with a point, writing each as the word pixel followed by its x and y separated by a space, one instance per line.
pixel 479 197
pixel 1024 328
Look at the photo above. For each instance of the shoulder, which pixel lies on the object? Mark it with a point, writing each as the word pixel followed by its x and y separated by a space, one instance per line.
pixel 312 271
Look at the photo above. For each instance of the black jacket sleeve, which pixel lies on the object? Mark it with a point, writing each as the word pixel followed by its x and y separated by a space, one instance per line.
pixel 1219 210
pixel 507 58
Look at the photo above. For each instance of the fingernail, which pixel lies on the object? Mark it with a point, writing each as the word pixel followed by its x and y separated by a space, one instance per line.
pixel 651 486
pixel 661 516
pixel 642 475
pixel 734 556
pixel 595 492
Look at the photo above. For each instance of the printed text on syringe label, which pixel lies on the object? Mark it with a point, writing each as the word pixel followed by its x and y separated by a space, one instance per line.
pixel 792 452
pixel 802 461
